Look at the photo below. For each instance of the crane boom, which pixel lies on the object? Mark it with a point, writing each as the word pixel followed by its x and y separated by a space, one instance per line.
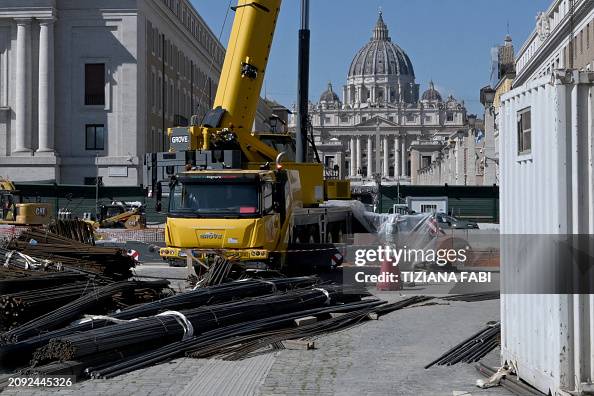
pixel 230 121
pixel 245 63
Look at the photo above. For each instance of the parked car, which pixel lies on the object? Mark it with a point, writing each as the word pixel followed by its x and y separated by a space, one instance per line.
pixel 450 222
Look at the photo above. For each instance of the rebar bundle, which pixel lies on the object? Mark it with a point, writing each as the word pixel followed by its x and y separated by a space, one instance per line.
pixel 168 327
pixel 20 352
pixel 236 341
pixel 218 338
pixel 471 349
pixel 108 261
pixel 13 261
pixel 38 280
pixel 18 308
pixel 96 301
pixel 221 270
pixel 78 230
pixel 472 297
pixel 239 347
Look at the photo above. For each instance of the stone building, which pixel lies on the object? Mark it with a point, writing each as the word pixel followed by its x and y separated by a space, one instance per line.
pixel 372 129
pixel 470 156
pixel 88 87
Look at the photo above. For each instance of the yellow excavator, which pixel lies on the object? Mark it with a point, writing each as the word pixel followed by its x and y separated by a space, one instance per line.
pixel 236 192
pixel 14 211
pixel 128 215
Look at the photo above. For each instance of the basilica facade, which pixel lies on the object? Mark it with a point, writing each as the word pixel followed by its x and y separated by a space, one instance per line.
pixel 382 117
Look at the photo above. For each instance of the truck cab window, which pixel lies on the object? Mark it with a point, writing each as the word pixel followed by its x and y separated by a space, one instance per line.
pixel 267 198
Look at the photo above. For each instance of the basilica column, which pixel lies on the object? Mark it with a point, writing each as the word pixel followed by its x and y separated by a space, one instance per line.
pixel 369 157
pixel 22 93
pixel 353 148
pixel 414 166
pixel 397 157
pixel 46 86
pixel 358 163
pixel 460 168
pixel 386 158
pixel 403 156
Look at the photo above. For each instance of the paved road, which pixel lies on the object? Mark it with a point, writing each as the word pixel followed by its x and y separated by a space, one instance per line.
pixel 384 357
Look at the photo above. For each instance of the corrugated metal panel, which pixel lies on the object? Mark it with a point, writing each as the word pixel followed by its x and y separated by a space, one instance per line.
pixel 475 209
pixel 476 203
pixel 549 191
pixel 81 198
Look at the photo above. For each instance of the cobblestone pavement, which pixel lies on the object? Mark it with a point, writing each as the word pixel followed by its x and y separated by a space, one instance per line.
pixel 384 357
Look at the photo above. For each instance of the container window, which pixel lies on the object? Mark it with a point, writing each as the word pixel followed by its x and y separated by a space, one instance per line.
pixel 524 131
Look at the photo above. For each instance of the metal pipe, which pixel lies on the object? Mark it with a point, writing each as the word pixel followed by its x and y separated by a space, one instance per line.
pixel 302 119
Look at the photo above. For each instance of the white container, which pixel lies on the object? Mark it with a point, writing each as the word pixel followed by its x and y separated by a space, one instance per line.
pixel 549 338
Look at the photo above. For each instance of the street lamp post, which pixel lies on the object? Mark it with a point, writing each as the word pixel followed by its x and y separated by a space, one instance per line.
pixel 471 161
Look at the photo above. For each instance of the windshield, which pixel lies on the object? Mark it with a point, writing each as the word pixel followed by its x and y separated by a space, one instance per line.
pixel 214 199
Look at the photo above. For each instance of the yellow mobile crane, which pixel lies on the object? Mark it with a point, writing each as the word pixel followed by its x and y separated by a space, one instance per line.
pixel 229 190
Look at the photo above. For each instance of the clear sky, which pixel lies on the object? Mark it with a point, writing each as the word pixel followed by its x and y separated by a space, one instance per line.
pixel 448 41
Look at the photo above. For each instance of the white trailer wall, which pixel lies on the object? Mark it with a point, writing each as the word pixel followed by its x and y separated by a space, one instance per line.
pixel 548 191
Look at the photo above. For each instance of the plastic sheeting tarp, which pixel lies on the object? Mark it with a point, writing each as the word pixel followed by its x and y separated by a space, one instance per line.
pixel 384 224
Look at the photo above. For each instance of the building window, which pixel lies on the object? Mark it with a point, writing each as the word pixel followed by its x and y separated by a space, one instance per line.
pixel 363 119
pixel 410 118
pixel 425 161
pixel 95 84
pixel 160 93
pixel 95 137
pixel 450 116
pixel 391 119
pixel 154 94
pixel 524 131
